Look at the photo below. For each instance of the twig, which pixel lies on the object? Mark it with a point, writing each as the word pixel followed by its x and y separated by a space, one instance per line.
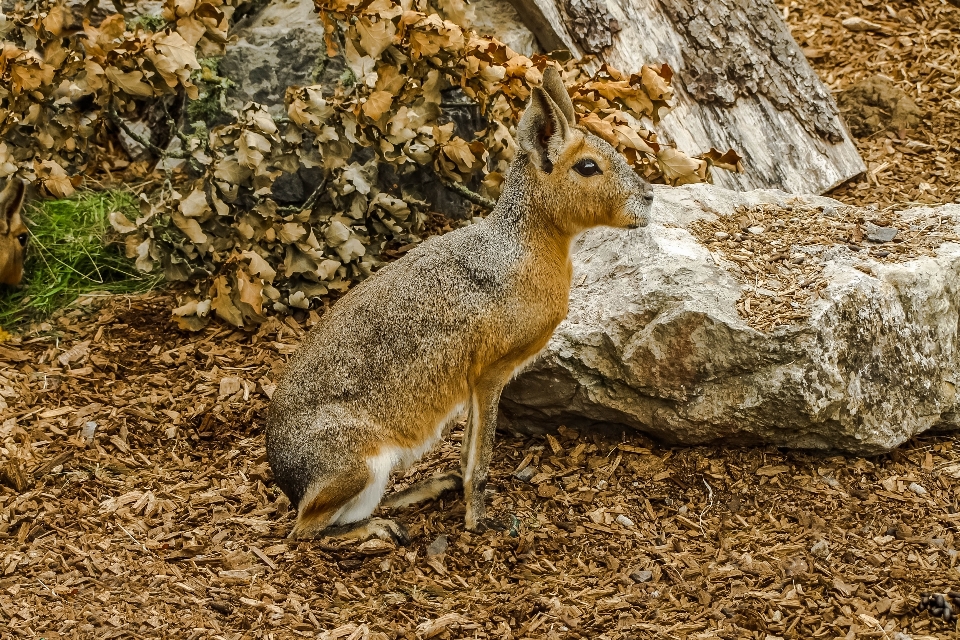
pixel 468 194
pixel 184 140
pixel 135 541
pixel 308 204
pixel 56 595
pixel 117 120
pixel 263 556
pixel 874 622
pixel 709 506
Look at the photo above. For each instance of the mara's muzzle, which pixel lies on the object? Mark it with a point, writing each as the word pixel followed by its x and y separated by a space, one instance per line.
pixel 638 208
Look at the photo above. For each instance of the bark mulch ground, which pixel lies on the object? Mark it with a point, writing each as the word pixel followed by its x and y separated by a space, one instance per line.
pixel 137 501
pixel 907 118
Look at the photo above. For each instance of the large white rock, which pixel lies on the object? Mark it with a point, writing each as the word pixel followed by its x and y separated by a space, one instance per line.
pixel 655 339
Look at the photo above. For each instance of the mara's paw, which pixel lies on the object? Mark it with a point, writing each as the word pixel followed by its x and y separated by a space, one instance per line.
pixel 389 530
pixel 302 532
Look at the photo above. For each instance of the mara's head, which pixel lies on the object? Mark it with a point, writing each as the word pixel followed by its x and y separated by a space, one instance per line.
pixel 13 232
pixel 577 177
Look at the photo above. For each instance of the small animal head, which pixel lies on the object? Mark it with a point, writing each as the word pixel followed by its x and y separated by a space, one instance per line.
pixel 13 232
pixel 576 176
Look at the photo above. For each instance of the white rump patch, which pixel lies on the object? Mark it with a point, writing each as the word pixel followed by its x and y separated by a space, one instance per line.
pixel 367 500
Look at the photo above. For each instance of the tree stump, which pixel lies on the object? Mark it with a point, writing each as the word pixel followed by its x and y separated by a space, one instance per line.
pixel 740 82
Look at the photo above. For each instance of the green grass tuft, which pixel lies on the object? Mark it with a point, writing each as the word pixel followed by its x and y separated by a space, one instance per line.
pixel 68 256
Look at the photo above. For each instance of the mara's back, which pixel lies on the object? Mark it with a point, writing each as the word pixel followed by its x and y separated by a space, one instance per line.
pixel 406 323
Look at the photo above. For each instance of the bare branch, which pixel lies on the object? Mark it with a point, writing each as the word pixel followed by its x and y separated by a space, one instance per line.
pixel 309 202
pixel 117 120
pixel 468 194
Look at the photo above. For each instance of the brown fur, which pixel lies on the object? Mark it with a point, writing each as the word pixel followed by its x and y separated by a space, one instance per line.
pixel 13 232
pixel 338 491
pixel 444 329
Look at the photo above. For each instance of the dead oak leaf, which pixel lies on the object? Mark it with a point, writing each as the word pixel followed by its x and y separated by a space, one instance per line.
pixel 173 58
pixel 375 37
pixel 109 34
pixel 120 223
pixel 677 167
pixel 655 85
pixel 251 148
pixel 222 303
pixel 361 66
pixel 600 127
pixel 731 160
pixel 630 138
pixel 260 267
pixel 130 82
pixel 191 29
pixel 190 228
pixel 54 20
pixel 195 205
pixel 378 103
pixel 251 292
pixel 173 9
pixel 54 179
pixel 30 74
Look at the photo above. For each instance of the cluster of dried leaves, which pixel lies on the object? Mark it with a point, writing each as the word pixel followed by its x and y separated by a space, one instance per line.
pixel 146 508
pixel 64 80
pixel 367 138
pixel 780 253
pixel 361 144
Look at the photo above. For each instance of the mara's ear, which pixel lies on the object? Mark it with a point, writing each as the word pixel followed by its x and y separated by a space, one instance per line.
pixel 543 130
pixel 11 199
pixel 553 85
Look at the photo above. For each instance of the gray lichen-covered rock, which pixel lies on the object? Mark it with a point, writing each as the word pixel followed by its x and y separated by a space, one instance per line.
pixel 277 46
pixel 280 43
pixel 498 18
pixel 659 335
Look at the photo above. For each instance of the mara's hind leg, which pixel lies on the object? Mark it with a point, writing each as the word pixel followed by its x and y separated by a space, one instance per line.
pixel 342 504
pixel 425 490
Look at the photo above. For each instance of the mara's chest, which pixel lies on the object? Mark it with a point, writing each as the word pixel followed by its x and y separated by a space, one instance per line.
pixel 523 324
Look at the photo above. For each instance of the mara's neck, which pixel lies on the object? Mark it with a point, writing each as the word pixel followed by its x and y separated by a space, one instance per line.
pixel 520 212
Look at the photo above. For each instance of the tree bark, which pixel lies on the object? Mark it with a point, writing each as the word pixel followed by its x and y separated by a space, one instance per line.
pixel 740 82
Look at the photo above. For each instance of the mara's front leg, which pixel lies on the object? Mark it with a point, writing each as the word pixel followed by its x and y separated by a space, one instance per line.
pixel 477 447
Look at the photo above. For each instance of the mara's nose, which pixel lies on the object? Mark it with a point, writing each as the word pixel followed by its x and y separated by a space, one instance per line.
pixel 648 196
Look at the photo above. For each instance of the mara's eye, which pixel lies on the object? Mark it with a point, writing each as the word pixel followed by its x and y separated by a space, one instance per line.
pixel 587 168
pixel 22 239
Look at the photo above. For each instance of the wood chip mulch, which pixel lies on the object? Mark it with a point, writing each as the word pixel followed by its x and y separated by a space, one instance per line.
pixel 136 501
pixel 779 253
pixel 915 46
